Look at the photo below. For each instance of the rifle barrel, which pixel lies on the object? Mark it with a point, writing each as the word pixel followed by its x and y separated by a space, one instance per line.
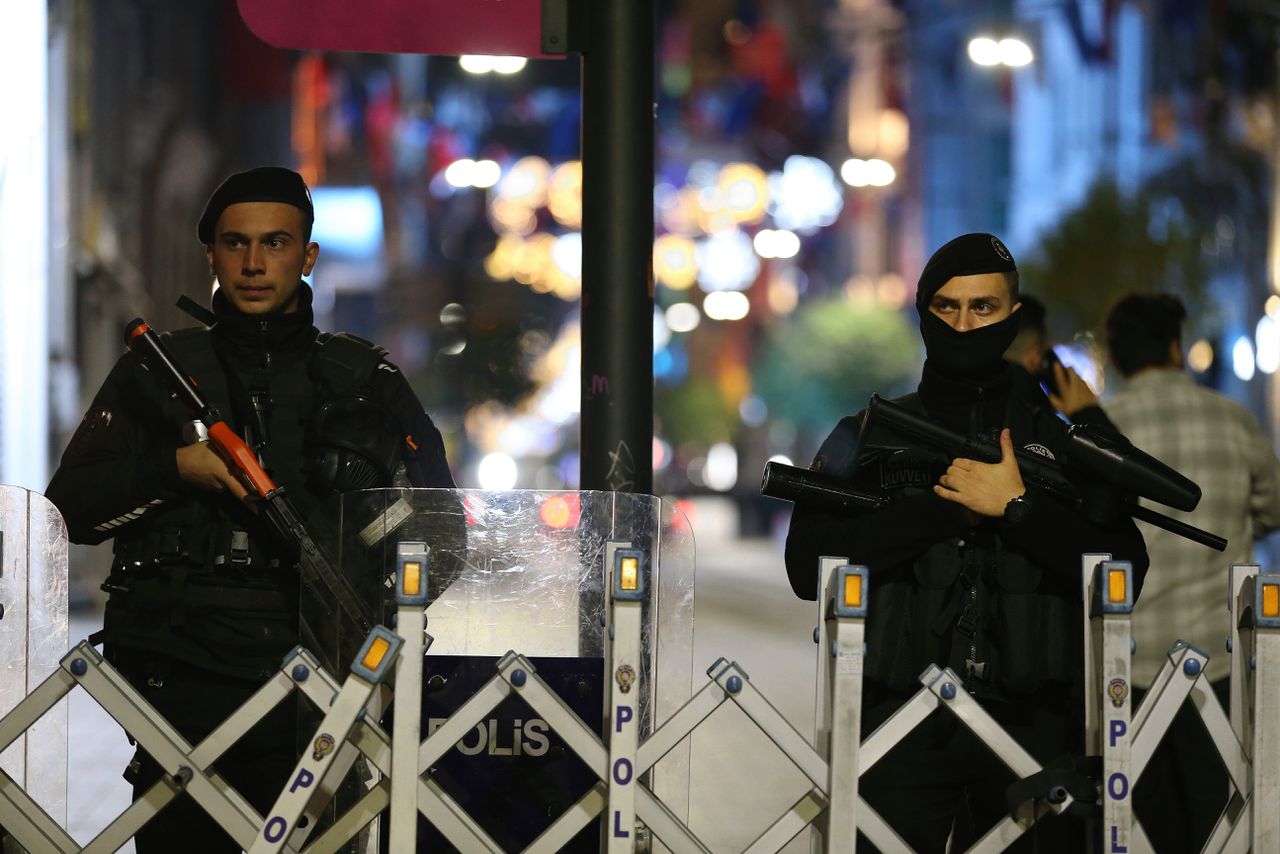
pixel 1099 455
pixel 139 335
pixel 791 483
pixel 1174 526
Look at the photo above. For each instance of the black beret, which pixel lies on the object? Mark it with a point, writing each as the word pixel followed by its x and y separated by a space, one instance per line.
pixel 966 255
pixel 264 184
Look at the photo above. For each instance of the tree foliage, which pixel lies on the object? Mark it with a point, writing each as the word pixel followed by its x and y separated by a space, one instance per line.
pixel 826 360
pixel 695 411
pixel 1109 245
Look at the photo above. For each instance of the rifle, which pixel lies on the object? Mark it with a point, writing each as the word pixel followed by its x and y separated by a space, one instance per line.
pixel 278 510
pixel 1104 456
pixel 802 485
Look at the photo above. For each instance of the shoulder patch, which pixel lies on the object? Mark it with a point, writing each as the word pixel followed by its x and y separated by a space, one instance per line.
pixel 91 433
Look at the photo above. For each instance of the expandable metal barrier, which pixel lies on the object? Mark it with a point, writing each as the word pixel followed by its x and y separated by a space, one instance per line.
pixel 838 726
pixel 1249 741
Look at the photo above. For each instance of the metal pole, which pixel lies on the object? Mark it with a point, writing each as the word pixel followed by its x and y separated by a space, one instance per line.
pixel 616 443
pixel 1273 231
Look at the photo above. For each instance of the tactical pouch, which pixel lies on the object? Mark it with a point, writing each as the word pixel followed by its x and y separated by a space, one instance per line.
pixel 1035 630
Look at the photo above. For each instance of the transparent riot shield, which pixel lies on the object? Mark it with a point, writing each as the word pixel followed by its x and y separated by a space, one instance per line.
pixel 33 639
pixel 520 570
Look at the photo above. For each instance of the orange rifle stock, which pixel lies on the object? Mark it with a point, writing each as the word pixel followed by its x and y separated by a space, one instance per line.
pixel 142 340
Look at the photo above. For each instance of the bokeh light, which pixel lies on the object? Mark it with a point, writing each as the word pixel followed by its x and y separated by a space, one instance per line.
pixel 804 196
pixel 525 182
pixel 1200 356
pixel 683 317
pixel 779 243
pixel 726 305
pixel 674 261
pixel 720 471
pixel 1242 358
pixel 485 64
pixel 1015 53
pixel 726 261
pixel 496 471
pixel 564 194
pixel 857 172
pixel 984 51
pixel 743 191
pixel 1267 337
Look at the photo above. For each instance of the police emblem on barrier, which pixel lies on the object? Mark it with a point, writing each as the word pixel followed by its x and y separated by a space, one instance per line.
pixel 1117 690
pixel 323 745
pixel 625 677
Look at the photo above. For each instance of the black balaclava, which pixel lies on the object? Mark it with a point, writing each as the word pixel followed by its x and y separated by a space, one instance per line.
pixel 980 351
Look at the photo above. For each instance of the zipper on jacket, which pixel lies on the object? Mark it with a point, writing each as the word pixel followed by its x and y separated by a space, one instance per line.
pixel 263 349
pixel 973 641
pixel 969 622
pixel 976 413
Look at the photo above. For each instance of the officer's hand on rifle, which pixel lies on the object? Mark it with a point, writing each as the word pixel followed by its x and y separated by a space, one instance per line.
pixel 199 466
pixel 984 488
pixel 1073 394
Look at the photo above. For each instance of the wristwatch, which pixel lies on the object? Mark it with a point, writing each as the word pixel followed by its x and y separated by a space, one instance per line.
pixel 1017 510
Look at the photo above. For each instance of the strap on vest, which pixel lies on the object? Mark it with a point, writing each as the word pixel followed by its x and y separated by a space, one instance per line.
pixel 196 310
pixel 216 545
pixel 193 350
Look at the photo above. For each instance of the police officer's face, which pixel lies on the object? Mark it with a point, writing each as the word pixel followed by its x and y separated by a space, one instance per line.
pixel 259 256
pixel 967 302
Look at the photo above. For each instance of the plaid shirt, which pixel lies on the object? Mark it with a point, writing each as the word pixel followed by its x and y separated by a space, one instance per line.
pixel 1218 444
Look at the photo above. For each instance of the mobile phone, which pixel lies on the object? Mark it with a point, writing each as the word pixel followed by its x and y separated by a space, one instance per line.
pixel 1044 371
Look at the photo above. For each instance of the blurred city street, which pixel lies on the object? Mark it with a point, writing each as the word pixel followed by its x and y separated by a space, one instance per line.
pixel 747 613
pixel 739 784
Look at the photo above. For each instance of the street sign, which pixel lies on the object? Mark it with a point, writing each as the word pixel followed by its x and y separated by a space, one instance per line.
pixel 455 27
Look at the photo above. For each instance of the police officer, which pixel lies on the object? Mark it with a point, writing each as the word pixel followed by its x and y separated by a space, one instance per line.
pixel 203 598
pixel 970 567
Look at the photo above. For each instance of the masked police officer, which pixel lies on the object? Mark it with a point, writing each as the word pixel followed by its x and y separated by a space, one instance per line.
pixel 203 598
pixel 970 567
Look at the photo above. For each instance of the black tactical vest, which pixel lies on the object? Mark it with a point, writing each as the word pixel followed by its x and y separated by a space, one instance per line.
pixel 203 580
pixel 969 603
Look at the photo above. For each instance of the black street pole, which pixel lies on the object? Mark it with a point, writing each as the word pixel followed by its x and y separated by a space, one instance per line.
pixel 616 439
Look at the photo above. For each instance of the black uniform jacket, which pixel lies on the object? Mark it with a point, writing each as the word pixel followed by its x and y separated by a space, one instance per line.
pixel 121 461
pixel 998 602
pixel 197 575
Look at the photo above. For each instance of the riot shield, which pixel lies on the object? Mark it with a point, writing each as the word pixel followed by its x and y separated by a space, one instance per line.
pixel 519 570
pixel 33 639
